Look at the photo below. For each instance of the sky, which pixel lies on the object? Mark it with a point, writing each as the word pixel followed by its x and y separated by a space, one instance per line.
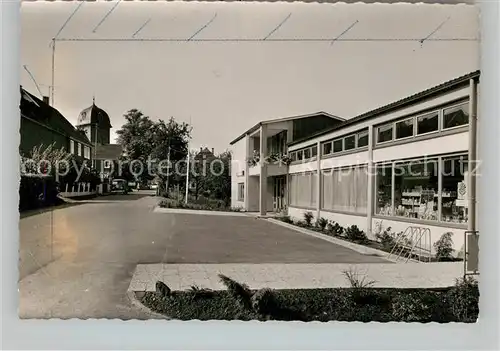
pixel 224 88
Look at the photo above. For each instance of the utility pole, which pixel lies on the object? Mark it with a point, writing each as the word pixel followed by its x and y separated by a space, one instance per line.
pixel 53 71
pixel 168 168
pixel 187 176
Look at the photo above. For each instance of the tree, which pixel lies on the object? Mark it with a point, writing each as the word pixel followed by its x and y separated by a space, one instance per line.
pixel 137 138
pixel 219 181
pixel 170 142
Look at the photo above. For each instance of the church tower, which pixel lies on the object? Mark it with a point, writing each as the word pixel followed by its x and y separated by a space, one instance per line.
pixel 95 122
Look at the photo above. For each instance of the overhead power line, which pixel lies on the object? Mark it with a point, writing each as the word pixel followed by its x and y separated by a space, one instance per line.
pixel 265 40
pixel 67 21
pixel 202 28
pixel 344 32
pixel 106 16
pixel 278 27
pixel 435 30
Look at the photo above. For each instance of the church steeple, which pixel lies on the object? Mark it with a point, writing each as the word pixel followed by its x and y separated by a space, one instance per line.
pixel 93 100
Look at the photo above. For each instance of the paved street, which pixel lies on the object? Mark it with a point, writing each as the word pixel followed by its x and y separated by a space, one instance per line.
pixel 88 252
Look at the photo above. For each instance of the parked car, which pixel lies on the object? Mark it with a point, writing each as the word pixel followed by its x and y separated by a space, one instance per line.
pixel 120 185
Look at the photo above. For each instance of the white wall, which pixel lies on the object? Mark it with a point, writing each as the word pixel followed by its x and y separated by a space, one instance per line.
pixel 303 167
pixel 238 163
pixel 442 145
pixel 253 194
pixel 359 158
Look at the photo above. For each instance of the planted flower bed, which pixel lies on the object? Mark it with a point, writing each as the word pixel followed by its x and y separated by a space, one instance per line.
pixel 358 303
pixel 386 239
pixel 210 206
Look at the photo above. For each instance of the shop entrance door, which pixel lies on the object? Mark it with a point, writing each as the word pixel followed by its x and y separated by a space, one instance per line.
pixel 279 190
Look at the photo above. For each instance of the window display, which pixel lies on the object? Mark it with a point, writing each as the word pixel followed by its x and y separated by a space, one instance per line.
pixel 416 189
pixel 454 195
pixel 383 204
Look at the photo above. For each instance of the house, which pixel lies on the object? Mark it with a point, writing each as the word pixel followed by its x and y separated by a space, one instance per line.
pixel 262 186
pixel 95 123
pixel 42 124
pixel 403 165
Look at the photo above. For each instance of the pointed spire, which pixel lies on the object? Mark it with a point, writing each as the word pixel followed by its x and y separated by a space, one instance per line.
pixel 93 99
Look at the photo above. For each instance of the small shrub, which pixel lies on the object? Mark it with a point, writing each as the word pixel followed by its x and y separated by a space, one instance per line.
pixel 238 291
pixel 308 217
pixel 353 233
pixel 444 247
pixel 463 299
pixel 335 229
pixel 162 289
pixel 198 292
pixel 286 219
pixel 322 223
pixel 387 238
pixel 355 281
pixel 264 302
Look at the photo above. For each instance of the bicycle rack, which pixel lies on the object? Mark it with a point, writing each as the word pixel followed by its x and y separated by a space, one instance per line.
pixel 415 241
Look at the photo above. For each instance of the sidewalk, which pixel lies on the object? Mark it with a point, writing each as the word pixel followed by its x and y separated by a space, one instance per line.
pixel 296 276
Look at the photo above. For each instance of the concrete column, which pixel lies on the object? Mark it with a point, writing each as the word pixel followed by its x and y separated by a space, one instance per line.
pixel 263 171
pixel 371 184
pixel 472 155
pixel 319 185
pixel 248 153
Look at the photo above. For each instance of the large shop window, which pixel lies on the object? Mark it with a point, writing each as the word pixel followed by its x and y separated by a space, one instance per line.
pixel 345 190
pixel 303 189
pixel 383 204
pixel 411 189
pixel 454 195
pixel 456 116
pixel 416 189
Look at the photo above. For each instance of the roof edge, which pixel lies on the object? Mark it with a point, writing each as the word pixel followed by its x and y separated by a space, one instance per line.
pixel 422 95
pixel 284 119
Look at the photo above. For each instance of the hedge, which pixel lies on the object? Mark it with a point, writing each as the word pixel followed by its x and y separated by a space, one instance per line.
pixel 36 192
pixel 454 304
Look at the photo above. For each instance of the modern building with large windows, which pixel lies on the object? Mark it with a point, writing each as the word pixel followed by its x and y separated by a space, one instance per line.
pixel 409 163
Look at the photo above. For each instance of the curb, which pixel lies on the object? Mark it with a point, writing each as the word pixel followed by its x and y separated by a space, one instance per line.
pixel 159 209
pixel 132 297
pixel 355 247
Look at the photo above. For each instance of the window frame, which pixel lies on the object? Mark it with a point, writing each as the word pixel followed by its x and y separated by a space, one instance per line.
pixel 355 142
pixel 333 145
pixel 378 133
pixel 365 132
pixel 402 121
pixel 438 112
pixel 442 128
pixel 323 148
pixel 241 191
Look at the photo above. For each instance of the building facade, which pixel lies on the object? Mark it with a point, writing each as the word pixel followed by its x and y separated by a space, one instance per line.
pixel 262 186
pixel 411 163
pixel 41 124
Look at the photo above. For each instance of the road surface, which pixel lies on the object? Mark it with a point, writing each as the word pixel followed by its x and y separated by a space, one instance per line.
pixel 77 262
